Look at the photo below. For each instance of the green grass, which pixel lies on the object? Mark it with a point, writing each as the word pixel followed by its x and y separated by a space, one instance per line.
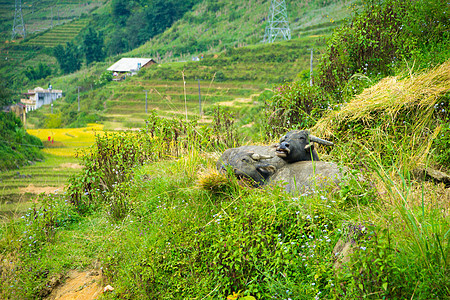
pixel 180 241
pixel 46 173
pixel 18 194
pixel 59 35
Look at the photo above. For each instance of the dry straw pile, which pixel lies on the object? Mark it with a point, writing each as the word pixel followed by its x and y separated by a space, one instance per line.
pixel 399 110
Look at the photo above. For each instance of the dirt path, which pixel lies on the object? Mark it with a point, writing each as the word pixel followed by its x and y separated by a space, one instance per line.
pixel 78 285
pixel 239 101
pixel 32 189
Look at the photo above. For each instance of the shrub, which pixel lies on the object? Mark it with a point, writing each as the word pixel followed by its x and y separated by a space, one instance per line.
pixel 16 146
pixel 294 105
pixel 370 44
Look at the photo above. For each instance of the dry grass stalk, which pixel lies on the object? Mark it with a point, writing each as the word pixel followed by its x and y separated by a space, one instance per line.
pixel 390 96
pixel 382 107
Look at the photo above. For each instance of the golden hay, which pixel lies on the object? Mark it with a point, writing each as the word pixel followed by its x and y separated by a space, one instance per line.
pixel 213 181
pixel 380 110
pixel 391 95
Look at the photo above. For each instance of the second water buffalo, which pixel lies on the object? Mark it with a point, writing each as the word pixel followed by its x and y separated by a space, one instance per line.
pixel 298 145
pixel 257 163
pixel 304 176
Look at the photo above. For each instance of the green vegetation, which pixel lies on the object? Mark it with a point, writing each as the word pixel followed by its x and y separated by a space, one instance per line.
pixel 224 77
pixel 178 229
pixel 125 25
pixel 380 41
pixel 42 71
pixel 59 35
pixel 20 186
pixel 152 213
pixel 17 148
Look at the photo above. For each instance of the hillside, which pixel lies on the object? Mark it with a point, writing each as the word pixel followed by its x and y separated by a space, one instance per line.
pixel 41 16
pixel 236 74
pixel 228 25
pixel 252 65
pixel 216 25
pixel 165 212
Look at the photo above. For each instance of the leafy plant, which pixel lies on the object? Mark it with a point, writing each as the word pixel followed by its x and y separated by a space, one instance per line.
pixel 294 105
pixel 68 57
pixel 41 71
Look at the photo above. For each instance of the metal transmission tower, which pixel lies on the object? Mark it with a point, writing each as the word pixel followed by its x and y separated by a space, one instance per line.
pixel 278 24
pixel 18 26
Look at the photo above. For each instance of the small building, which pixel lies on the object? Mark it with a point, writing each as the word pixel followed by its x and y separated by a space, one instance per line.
pixel 39 97
pixel 18 109
pixel 129 66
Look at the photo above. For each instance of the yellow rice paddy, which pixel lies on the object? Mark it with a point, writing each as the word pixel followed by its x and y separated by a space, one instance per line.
pixel 67 141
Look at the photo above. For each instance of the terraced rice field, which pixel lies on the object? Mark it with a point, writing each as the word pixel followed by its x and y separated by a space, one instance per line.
pixel 19 188
pixel 67 141
pixel 59 35
pixel 42 15
pixel 172 98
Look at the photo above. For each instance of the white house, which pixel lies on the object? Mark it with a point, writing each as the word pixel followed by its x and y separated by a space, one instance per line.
pixel 39 97
pixel 130 66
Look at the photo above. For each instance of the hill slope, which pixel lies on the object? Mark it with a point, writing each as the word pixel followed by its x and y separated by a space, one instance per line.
pixel 214 25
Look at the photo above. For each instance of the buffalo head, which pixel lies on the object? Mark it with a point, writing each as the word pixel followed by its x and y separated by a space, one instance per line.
pixel 297 145
pixel 247 164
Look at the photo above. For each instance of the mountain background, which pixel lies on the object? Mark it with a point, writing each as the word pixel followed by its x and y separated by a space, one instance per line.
pixel 164 30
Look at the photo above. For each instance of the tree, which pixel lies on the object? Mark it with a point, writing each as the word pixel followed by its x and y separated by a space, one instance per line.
pixel 93 45
pixel 120 10
pixel 5 94
pixel 154 19
pixel 118 43
pixel 41 71
pixel 68 58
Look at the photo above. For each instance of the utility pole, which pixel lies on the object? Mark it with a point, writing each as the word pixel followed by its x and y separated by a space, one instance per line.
pixel 18 26
pixel 78 98
pixel 51 95
pixel 277 22
pixel 199 98
pixel 311 69
pixel 146 100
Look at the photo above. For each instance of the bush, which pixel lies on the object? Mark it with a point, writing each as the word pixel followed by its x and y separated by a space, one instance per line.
pixel 109 162
pixel 294 105
pixel 371 44
pixel 441 147
pixel 16 146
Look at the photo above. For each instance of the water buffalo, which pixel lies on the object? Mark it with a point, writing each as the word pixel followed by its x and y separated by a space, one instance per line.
pixel 255 162
pixel 304 175
pixel 297 145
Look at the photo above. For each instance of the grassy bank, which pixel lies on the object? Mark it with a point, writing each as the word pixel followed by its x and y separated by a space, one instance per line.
pixel 150 212
pixel 19 188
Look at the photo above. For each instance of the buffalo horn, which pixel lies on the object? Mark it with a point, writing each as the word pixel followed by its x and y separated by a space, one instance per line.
pixel 309 146
pixel 320 141
pixel 257 156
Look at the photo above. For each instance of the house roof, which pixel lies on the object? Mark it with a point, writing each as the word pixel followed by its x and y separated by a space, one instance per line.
pixel 128 64
pixel 41 90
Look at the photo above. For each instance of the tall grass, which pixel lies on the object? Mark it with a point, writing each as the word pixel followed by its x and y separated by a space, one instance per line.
pixel 400 110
